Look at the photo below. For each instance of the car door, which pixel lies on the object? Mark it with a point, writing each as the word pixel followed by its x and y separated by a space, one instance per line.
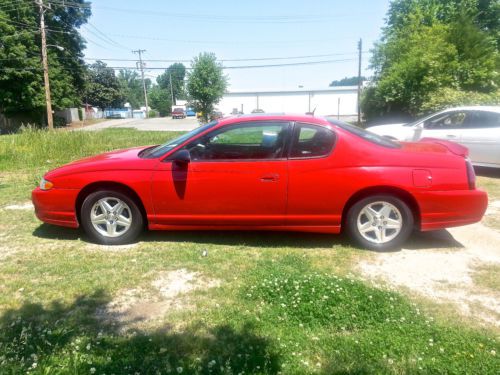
pixel 237 176
pixel 311 174
pixel 447 125
pixel 481 136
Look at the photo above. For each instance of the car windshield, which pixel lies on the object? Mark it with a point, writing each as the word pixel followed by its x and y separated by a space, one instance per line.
pixel 160 150
pixel 365 134
pixel 421 119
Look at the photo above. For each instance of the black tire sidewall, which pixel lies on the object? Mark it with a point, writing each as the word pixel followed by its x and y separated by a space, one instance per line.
pixel 134 230
pixel 406 230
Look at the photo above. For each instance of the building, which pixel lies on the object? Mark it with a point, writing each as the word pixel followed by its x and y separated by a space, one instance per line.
pixel 339 102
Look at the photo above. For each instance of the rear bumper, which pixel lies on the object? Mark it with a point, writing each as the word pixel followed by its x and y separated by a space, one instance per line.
pixel 56 206
pixel 443 209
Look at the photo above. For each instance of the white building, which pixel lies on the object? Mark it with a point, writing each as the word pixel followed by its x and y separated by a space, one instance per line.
pixel 331 101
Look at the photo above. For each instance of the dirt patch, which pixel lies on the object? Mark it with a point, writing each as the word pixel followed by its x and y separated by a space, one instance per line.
pixel 446 274
pixel 23 206
pixel 109 248
pixel 139 308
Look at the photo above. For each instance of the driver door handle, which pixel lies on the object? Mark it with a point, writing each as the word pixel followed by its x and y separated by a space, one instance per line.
pixel 270 178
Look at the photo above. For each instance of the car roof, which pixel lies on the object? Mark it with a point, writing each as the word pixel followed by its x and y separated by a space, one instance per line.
pixel 272 117
pixel 489 108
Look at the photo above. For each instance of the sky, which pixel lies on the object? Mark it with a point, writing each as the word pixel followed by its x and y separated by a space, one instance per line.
pixel 240 30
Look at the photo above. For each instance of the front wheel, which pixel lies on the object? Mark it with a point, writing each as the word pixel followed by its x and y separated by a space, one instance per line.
pixel 379 222
pixel 111 218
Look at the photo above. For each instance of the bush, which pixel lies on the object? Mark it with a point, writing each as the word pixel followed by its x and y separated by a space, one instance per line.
pixel 448 97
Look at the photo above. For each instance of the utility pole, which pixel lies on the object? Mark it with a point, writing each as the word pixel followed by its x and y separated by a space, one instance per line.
pixel 50 122
pixel 360 48
pixel 141 66
pixel 171 88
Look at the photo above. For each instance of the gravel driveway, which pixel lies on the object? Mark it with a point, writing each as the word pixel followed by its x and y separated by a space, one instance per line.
pixel 443 271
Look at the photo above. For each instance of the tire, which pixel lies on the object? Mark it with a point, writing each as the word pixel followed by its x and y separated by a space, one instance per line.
pixel 111 218
pixel 379 222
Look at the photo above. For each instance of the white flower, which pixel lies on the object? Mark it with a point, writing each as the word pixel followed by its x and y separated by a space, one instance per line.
pixel 92 370
pixel 88 346
pixel 493 352
pixel 179 370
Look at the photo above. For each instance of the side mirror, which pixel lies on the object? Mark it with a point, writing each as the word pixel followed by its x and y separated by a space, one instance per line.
pixel 417 131
pixel 182 157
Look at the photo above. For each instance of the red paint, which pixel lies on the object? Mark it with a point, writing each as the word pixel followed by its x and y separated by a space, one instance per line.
pixel 280 194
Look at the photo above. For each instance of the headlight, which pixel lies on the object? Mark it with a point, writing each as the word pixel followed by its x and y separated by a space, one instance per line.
pixel 46 185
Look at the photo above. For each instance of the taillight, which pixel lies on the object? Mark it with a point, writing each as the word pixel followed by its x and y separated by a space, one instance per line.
pixel 471 175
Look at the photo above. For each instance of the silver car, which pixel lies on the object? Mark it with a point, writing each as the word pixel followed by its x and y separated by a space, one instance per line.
pixel 477 128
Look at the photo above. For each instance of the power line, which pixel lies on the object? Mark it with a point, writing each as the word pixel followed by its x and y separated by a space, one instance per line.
pixel 224 42
pixel 214 17
pixel 224 67
pixel 105 36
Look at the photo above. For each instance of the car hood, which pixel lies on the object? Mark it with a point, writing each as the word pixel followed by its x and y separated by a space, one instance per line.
pixel 127 159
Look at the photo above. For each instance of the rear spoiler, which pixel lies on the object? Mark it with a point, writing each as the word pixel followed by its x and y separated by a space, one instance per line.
pixel 453 147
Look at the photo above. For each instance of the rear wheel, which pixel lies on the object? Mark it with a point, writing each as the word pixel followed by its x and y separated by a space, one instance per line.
pixel 380 222
pixel 111 218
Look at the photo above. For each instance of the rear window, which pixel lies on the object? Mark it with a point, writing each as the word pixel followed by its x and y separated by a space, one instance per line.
pixel 365 134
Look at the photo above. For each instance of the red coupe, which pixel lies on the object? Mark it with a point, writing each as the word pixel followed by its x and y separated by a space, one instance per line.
pixel 268 172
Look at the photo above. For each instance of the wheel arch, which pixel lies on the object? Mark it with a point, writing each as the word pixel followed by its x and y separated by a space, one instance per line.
pixel 109 185
pixel 402 194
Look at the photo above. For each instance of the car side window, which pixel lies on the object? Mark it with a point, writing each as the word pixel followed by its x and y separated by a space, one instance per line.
pixel 256 141
pixel 311 141
pixel 449 120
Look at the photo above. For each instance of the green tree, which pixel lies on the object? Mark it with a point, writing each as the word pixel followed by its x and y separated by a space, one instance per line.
pixel 133 91
pixel 206 83
pixel 21 74
pixel 159 100
pixel 347 81
pixel 131 86
pixel 430 45
pixel 176 72
pixel 103 88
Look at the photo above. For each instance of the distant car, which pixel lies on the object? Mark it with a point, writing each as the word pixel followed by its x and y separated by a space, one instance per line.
pixel 178 113
pixel 216 115
pixel 477 128
pixel 190 112
pixel 267 172
pixel 258 110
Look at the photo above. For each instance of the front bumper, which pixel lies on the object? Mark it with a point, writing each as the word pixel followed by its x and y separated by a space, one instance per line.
pixel 444 209
pixel 56 206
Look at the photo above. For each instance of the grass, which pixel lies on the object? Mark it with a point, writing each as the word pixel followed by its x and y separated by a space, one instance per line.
pixel 287 303
pixel 487 276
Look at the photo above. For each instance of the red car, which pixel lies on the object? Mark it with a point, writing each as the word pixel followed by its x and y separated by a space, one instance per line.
pixel 178 113
pixel 265 172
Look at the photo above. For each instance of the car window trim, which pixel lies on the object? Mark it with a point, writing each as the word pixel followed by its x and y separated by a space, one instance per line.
pixel 295 127
pixel 283 157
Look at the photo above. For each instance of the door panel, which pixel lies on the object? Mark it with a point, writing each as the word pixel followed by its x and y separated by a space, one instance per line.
pixel 220 193
pixel 237 176
pixel 482 137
